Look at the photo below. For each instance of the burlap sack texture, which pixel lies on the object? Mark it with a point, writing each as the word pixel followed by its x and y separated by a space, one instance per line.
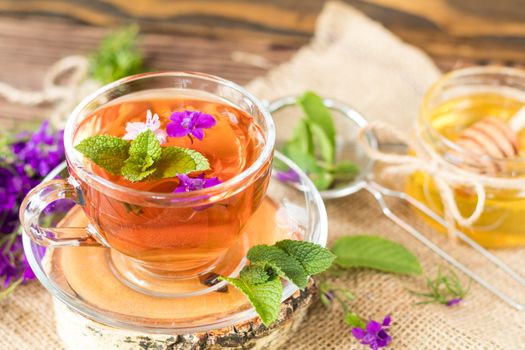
pixel 357 61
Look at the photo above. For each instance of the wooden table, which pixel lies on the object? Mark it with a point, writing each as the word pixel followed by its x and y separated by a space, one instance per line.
pixel 202 35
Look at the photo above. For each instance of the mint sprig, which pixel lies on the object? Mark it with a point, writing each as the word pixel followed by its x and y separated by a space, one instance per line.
pixel 117 56
pixel 293 260
pixel 141 159
pixel 313 145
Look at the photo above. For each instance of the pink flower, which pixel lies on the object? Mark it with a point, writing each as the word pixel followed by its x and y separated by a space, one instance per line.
pixel 133 129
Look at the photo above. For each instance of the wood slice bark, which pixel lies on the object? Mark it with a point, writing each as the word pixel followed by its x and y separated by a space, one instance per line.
pixel 80 333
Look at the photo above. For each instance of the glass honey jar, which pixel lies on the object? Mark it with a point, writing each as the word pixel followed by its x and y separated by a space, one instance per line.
pixel 465 118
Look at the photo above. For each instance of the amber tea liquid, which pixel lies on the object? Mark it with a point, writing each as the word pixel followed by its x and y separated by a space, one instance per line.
pixel 179 240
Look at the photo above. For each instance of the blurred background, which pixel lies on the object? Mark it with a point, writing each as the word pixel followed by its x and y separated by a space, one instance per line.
pixel 208 35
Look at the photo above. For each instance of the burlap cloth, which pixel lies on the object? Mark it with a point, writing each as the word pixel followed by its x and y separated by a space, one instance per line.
pixel 355 60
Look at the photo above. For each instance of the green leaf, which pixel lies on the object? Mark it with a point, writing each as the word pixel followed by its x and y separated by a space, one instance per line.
pixel 117 56
pixel 145 148
pixel 265 297
pixel 255 273
pixel 178 160
pixel 305 161
pixel 133 170
pixel 376 253
pixel 285 265
pixel 317 113
pixel 314 258
pixel 106 151
pixel 144 151
pixel 322 179
pixel 323 142
pixel 354 321
pixel 345 170
pixel 301 141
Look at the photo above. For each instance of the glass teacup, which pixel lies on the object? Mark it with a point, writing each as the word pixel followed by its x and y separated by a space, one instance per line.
pixel 154 237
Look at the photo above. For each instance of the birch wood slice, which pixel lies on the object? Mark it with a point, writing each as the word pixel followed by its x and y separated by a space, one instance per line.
pixel 80 333
pixel 85 272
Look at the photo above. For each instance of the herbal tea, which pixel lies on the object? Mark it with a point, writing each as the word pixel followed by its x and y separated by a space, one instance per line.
pixel 165 145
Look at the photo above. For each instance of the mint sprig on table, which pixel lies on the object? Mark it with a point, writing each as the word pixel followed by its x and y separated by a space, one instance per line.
pixel 313 145
pixel 117 56
pixel 293 260
pixel 142 158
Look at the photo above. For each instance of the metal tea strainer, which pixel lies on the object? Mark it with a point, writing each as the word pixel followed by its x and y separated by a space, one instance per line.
pixel 286 113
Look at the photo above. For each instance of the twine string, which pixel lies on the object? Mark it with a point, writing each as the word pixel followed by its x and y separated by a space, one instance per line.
pixel 445 175
pixel 51 92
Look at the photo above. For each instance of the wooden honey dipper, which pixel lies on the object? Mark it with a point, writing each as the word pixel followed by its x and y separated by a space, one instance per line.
pixel 492 137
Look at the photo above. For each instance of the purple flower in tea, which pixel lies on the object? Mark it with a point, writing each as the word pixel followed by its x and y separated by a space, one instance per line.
pixel 133 129
pixel 454 301
pixel 288 176
pixel 188 184
pixel 375 334
pixel 189 123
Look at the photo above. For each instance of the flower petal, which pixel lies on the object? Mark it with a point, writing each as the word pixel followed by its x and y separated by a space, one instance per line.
pixel 373 326
pixel 204 121
pixel 212 181
pixel 176 130
pixel 386 321
pixel 161 135
pixel 198 133
pixel 133 129
pixel 358 333
pixel 177 117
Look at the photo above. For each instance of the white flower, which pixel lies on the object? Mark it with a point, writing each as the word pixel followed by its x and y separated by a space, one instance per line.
pixel 133 129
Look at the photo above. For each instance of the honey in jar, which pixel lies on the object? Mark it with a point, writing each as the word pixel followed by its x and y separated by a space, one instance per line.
pixel 455 106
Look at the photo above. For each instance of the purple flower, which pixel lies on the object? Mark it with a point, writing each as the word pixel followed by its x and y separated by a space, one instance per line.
pixel 188 184
pixel 454 301
pixel 31 156
pixel 375 334
pixel 288 176
pixel 190 123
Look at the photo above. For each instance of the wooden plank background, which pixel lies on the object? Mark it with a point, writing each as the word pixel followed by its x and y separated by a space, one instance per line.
pixel 202 34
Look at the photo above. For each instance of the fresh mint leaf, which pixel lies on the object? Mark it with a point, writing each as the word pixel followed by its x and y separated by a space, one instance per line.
pixel 322 180
pixel 106 151
pixel 293 260
pixel 314 258
pixel 312 146
pixel 285 265
pixel 133 170
pixel 325 145
pixel 301 141
pixel 317 113
pixel 256 273
pixel 117 56
pixel 265 297
pixel 304 161
pixel 178 160
pixel 345 170
pixel 376 253
pixel 145 149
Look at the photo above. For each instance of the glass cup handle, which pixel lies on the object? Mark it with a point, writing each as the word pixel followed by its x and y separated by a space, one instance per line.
pixel 38 199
